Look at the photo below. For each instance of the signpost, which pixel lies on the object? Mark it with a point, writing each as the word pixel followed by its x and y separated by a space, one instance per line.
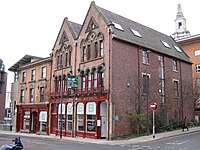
pixel 72 82
pixel 153 106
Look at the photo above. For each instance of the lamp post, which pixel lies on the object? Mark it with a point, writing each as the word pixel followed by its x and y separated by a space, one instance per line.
pixel 147 92
pixel 61 86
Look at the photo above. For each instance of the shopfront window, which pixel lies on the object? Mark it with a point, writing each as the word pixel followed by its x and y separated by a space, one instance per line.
pixel 26 120
pixel 43 120
pixel 91 115
pixel 69 116
pixel 80 116
pixel 61 116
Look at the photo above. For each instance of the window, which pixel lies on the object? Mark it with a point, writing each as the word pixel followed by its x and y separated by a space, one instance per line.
pixel 95 49
pixel 174 65
pixel 176 94
pixel 95 79
pixel 70 55
pixel 136 33
pixel 32 94
pixel 197 52
pixel 60 60
pixel 22 96
pixel 197 67
pixel 89 80
pixel 80 117
pixel 44 69
pixel 90 116
pixel 118 26
pixel 145 84
pixel 88 52
pixel 177 48
pixel 43 120
pixel 198 82
pixel 165 44
pixel 83 83
pixel 69 116
pixel 42 96
pixel 26 123
pixel 61 117
pixel 84 53
pixel 145 56
pixel 33 75
pixel 58 63
pixel 101 79
pixel 24 77
pixel 66 59
pixel 180 25
pixel 101 48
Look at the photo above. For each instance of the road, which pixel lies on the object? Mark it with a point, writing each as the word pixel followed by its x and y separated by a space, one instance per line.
pixel 188 141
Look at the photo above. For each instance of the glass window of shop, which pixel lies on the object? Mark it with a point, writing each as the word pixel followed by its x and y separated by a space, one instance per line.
pixel 61 116
pixel 69 116
pixel 43 121
pixel 80 116
pixel 91 115
pixel 26 120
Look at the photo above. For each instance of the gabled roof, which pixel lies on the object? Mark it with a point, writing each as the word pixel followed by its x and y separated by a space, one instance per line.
pixel 23 61
pixel 75 29
pixel 150 38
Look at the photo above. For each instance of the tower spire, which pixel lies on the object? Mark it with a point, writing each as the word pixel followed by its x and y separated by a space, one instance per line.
pixel 180 24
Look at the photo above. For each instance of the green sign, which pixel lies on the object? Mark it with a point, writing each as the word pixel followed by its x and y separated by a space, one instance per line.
pixel 72 82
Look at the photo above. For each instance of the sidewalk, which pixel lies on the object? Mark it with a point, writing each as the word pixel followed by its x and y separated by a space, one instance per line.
pixel 104 141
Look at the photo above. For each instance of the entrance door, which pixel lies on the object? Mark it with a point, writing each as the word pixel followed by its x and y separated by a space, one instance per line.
pixel 34 122
pixel 104 119
pixel 103 126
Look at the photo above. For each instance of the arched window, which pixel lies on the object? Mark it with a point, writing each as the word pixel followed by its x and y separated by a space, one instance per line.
pixel 89 80
pixel 90 116
pixel 80 117
pixel 95 78
pixel 69 116
pixel 82 81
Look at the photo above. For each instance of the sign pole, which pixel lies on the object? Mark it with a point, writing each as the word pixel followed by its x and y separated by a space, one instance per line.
pixel 153 123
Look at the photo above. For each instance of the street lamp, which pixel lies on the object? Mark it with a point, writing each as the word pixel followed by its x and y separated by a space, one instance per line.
pixel 61 86
pixel 147 91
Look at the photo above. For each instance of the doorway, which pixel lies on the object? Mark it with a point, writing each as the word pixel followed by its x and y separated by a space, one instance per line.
pixel 34 122
pixel 104 119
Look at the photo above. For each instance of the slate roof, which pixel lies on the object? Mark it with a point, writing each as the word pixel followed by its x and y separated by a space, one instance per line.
pixel 150 39
pixel 23 61
pixel 75 29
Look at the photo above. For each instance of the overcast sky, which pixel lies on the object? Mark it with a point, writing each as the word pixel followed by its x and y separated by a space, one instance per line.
pixel 31 26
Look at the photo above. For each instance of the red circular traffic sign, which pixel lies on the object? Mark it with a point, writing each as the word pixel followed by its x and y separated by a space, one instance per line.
pixel 153 105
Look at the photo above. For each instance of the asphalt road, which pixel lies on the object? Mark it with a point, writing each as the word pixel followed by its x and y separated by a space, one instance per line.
pixel 188 141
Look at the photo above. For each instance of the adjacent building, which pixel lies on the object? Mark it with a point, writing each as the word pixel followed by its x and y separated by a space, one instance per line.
pixel 101 71
pixel 30 94
pixel 3 83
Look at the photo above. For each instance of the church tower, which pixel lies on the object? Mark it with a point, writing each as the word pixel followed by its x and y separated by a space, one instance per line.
pixel 180 25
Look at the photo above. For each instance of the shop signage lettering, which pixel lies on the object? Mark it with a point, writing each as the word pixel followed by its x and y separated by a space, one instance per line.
pixel 90 98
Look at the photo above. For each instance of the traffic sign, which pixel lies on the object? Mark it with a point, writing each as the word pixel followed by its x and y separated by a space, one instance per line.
pixel 153 105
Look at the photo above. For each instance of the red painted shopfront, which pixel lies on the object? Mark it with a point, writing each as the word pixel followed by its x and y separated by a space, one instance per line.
pixel 33 118
pixel 82 115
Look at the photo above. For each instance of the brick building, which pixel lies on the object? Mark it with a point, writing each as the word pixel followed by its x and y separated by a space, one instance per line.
pixel 30 94
pixel 121 66
pixel 191 46
pixel 3 83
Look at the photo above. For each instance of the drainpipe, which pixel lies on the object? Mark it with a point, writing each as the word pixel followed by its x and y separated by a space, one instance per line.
pixel 109 84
